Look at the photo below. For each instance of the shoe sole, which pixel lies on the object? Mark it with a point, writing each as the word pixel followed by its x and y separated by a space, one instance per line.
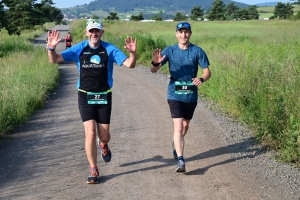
pixel 180 170
pixel 93 181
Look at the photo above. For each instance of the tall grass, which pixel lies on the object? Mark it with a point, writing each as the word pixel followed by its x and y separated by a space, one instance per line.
pixel 26 78
pixel 255 72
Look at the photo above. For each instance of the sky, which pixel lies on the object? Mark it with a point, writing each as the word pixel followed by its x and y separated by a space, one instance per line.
pixel 72 3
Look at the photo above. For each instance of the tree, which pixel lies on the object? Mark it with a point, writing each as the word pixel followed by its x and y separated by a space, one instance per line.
pixel 3 19
pixel 217 11
pixel 231 11
pixel 253 12
pixel 113 16
pixel 20 15
pixel 138 17
pixel 158 17
pixel 179 17
pixel 283 11
pixel 243 13
pixel 196 13
pixel 25 14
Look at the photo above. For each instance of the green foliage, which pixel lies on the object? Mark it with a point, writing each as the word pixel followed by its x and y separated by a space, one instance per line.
pixel 231 11
pixel 253 12
pixel 217 11
pixel 138 17
pixel 158 17
pixel 180 17
pixel 197 12
pixel 24 85
pixel 25 14
pixel 112 16
pixel 283 11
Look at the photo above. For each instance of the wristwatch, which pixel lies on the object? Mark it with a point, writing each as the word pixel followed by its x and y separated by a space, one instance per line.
pixel 155 64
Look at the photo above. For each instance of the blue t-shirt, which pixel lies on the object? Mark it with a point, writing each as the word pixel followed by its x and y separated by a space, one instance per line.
pixel 183 66
pixel 95 66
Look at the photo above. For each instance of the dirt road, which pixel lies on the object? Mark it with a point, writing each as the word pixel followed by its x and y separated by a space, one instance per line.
pixel 46 158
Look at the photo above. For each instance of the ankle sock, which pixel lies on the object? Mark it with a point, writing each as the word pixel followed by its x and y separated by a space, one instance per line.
pixel 103 146
pixel 180 158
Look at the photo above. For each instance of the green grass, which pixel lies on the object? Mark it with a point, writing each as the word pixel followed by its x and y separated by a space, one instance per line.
pixel 27 76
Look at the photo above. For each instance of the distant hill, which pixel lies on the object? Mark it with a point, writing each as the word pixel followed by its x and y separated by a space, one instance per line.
pixel 267 4
pixel 166 5
pixel 147 7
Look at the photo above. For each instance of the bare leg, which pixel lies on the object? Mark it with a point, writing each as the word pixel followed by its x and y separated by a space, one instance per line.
pixel 90 142
pixel 178 135
pixel 103 133
pixel 185 126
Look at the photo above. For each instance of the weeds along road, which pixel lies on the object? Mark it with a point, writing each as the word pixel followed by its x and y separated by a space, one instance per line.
pixel 46 158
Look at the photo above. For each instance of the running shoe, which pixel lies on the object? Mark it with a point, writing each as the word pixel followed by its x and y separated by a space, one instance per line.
pixel 174 150
pixel 181 166
pixel 94 176
pixel 106 153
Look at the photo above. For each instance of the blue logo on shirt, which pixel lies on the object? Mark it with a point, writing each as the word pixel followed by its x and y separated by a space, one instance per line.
pixel 95 59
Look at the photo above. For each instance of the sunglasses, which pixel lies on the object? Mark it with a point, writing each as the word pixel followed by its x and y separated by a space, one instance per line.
pixel 183 25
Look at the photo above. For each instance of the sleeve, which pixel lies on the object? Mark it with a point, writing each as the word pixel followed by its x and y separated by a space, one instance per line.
pixel 203 59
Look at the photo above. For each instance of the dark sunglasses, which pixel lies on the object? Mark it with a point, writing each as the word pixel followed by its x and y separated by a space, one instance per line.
pixel 183 24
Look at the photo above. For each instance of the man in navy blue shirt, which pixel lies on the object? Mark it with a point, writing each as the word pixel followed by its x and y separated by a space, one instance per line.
pixel 184 59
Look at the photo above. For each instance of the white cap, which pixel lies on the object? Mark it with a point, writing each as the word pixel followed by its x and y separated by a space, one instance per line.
pixel 93 23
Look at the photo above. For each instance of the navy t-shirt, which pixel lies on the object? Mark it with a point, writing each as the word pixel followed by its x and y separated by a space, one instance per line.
pixel 183 66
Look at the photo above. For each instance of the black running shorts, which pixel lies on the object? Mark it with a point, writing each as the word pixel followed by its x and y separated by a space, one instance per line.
pixel 99 112
pixel 180 109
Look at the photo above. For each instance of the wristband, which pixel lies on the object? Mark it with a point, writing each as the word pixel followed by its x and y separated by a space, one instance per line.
pixel 201 79
pixel 50 48
pixel 155 64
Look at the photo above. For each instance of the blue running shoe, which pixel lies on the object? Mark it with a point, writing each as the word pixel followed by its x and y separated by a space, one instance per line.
pixel 106 153
pixel 181 166
pixel 174 150
pixel 94 176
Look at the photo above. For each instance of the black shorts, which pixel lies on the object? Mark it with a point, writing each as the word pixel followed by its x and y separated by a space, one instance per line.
pixel 99 112
pixel 180 109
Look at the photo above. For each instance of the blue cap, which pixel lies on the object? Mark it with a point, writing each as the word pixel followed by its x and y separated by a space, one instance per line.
pixel 185 25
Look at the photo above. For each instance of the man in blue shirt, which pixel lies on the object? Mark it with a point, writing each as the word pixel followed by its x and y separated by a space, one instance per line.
pixel 184 60
pixel 94 58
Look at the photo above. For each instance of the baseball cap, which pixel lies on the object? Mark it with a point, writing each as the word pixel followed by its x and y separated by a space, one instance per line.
pixel 185 25
pixel 93 23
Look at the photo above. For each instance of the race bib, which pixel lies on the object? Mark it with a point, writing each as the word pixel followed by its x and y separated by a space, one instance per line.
pixel 184 87
pixel 97 97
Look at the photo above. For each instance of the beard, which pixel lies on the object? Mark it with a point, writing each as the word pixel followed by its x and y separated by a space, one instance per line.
pixel 95 41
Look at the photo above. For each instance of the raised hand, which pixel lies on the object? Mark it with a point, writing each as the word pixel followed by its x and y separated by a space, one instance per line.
pixel 53 38
pixel 156 56
pixel 130 44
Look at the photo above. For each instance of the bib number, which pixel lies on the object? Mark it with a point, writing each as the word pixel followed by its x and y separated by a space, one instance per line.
pixel 97 97
pixel 184 87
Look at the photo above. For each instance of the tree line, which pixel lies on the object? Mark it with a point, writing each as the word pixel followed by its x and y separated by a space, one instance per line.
pixel 19 15
pixel 219 11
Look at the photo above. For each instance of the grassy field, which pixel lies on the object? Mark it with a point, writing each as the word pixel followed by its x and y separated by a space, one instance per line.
pixel 26 78
pixel 268 11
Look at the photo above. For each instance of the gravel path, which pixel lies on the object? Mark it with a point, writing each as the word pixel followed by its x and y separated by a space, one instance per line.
pixel 46 158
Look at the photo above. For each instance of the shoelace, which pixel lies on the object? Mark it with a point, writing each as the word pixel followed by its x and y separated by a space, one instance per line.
pixel 94 172
pixel 105 151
